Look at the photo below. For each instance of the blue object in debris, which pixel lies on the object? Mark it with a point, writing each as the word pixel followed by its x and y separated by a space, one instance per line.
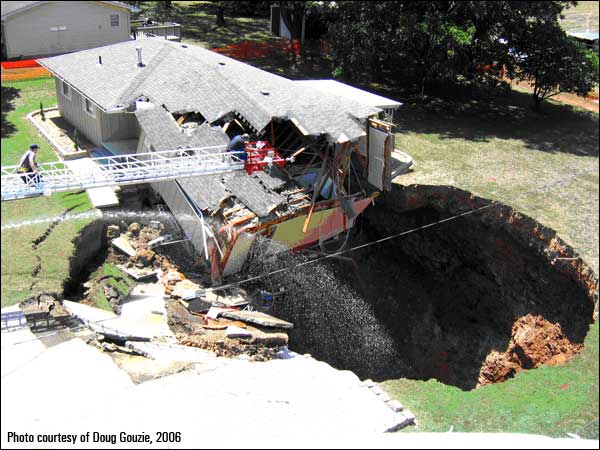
pixel 266 298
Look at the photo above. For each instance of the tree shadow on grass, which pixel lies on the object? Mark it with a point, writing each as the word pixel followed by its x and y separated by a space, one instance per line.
pixel 9 94
pixel 558 129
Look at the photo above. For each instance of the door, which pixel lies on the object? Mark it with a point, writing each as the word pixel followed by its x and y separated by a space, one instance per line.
pixel 381 142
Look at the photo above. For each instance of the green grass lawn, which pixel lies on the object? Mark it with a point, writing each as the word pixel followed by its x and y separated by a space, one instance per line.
pixel 199 28
pixel 49 261
pixel 502 159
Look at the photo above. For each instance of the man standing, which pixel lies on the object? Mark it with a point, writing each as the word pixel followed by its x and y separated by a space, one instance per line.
pixel 28 166
pixel 238 146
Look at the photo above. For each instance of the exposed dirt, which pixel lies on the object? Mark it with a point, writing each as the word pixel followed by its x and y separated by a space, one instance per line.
pixel 189 329
pixel 534 341
pixel 436 303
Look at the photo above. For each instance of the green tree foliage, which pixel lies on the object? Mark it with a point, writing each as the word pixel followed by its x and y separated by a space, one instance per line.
pixel 553 63
pixel 428 42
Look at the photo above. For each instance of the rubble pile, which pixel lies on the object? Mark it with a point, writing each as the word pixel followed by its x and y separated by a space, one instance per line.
pixel 229 323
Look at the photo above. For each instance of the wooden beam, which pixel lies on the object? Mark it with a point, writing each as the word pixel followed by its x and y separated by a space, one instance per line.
pixel 242 219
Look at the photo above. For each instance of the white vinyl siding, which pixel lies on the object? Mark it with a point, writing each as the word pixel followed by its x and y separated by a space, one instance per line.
pixel 100 127
pixel 74 112
pixel 61 27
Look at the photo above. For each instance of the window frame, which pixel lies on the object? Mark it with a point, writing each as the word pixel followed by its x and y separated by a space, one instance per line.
pixel 69 90
pixel 92 107
pixel 111 17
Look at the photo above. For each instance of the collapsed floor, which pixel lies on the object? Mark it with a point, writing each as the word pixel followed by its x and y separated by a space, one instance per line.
pixel 469 302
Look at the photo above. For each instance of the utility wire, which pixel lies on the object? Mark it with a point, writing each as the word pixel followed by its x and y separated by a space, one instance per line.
pixel 543 189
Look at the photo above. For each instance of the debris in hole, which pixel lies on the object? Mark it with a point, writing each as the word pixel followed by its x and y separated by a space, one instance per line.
pixel 144 310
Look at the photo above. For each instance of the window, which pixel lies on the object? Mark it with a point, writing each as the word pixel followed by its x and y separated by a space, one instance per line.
pixel 61 28
pixel 89 107
pixel 114 20
pixel 66 90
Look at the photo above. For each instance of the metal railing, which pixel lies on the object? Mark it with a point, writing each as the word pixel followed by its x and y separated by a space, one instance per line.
pixel 118 170
pixel 167 30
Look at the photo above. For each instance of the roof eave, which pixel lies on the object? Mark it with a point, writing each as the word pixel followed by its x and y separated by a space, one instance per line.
pixel 132 9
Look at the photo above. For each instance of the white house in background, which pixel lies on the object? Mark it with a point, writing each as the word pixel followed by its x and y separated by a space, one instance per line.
pixel 37 28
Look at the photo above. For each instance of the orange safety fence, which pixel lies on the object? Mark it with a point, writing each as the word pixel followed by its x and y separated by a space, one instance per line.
pixel 25 63
pixel 250 50
pixel 25 73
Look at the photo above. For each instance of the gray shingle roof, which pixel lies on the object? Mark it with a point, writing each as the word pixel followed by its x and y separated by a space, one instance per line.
pixel 255 195
pixel 189 78
pixel 164 133
pixel 206 191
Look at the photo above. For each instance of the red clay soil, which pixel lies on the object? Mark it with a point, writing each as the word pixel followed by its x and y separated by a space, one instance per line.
pixel 590 102
pixel 534 342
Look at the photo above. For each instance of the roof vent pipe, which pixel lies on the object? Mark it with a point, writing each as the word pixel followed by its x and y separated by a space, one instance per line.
pixel 99 59
pixel 139 52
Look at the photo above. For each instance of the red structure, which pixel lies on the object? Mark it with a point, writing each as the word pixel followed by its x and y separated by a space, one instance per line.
pixel 260 158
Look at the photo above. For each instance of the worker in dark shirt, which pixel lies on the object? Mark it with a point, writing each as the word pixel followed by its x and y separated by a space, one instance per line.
pixel 237 146
pixel 28 166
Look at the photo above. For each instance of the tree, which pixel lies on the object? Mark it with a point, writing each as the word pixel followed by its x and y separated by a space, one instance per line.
pixel 428 42
pixel 220 13
pixel 160 10
pixel 552 63
pixel 293 13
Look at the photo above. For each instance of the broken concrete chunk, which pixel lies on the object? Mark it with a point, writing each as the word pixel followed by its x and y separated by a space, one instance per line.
pixel 232 300
pixel 144 257
pixel 257 318
pixel 134 228
pixel 395 405
pixel 186 290
pixel 138 274
pixel 272 340
pixel 214 312
pixel 123 244
pixel 384 397
pixel 147 290
pixel 237 332
pixel 113 231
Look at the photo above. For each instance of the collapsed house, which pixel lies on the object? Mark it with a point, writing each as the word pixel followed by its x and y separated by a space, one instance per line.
pixel 334 152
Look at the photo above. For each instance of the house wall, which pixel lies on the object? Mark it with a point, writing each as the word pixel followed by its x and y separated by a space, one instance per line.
pixel 72 110
pixel 100 128
pixel 88 25
pixel 183 212
pixel 114 127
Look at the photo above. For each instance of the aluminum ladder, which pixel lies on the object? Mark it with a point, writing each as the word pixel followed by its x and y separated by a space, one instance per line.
pixel 120 170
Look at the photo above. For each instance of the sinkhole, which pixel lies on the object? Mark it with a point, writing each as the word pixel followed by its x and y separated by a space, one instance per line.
pixel 468 302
